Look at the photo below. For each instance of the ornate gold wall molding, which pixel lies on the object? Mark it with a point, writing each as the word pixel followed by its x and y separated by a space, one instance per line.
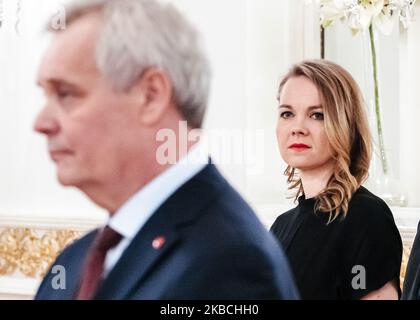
pixel 31 251
pixel 404 262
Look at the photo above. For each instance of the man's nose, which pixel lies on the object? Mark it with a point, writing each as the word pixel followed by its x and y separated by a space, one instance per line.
pixel 46 122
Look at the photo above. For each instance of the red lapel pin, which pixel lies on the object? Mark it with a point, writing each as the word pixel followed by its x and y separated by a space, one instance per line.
pixel 158 242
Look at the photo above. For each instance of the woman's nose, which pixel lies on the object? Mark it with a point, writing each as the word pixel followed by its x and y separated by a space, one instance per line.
pixel 299 128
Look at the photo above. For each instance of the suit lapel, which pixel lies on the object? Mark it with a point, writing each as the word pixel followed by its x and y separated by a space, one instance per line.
pixel 62 294
pixel 135 263
pixel 183 207
pixel 72 287
pixel 76 269
pixel 73 269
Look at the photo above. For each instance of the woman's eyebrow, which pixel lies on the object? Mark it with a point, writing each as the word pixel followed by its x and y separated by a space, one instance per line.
pixel 286 106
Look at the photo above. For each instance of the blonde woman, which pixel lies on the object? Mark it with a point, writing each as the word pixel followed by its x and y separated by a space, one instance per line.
pixel 341 240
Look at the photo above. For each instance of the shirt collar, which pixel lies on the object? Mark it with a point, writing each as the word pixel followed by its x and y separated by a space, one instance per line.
pixel 133 214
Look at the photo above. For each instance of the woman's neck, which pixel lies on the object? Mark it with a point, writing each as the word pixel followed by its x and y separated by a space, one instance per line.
pixel 314 181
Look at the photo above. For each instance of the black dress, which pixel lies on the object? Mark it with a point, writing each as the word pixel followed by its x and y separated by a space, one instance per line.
pixel 346 259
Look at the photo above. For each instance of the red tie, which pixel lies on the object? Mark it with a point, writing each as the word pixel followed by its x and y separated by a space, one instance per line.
pixel 94 267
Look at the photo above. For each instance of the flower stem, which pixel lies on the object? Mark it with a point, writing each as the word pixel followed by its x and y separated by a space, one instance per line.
pixel 382 153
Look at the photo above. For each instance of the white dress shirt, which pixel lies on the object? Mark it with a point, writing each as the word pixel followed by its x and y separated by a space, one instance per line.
pixel 132 216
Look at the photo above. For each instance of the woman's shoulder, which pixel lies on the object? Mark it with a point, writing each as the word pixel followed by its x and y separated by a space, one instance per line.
pixel 363 198
pixel 283 218
pixel 367 207
pixel 370 222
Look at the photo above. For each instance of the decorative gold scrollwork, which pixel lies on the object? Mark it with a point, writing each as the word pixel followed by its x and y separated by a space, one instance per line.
pixel 30 251
pixel 405 258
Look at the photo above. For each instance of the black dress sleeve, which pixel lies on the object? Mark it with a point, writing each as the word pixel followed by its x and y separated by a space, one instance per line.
pixel 374 250
pixel 285 227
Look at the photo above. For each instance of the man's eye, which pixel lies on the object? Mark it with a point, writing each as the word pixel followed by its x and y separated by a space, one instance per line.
pixel 64 94
pixel 317 116
pixel 286 114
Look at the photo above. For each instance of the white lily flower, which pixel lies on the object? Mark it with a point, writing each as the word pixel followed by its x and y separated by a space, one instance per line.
pixel 407 12
pixel 358 18
pixel 369 14
pixel 330 14
pixel 376 8
pixel 385 23
pixel 361 14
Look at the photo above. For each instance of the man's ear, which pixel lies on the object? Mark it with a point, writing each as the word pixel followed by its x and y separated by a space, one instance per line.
pixel 152 94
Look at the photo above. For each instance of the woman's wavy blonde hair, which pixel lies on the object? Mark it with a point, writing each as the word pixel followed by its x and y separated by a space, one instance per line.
pixel 347 129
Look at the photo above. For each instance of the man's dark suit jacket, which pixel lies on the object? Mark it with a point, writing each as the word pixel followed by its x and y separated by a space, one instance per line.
pixel 215 248
pixel 411 288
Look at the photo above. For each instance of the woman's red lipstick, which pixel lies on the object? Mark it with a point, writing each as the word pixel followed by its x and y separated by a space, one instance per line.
pixel 299 146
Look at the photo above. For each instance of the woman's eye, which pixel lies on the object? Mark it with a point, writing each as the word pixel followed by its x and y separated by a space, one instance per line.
pixel 317 116
pixel 286 115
